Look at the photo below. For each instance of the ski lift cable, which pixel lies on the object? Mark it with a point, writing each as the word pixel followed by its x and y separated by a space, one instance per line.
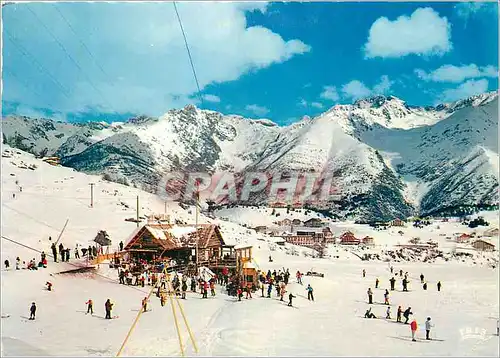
pixel 81 42
pixel 68 54
pixel 33 59
pixel 188 52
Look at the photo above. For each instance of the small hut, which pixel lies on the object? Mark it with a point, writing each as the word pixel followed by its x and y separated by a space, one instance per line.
pixel 348 238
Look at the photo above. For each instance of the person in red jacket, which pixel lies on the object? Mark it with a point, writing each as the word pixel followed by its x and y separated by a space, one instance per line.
pixel 90 305
pixel 413 327
pixel 239 292
pixel 49 286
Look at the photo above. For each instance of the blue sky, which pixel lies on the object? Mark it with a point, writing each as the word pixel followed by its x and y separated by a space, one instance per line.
pixel 111 61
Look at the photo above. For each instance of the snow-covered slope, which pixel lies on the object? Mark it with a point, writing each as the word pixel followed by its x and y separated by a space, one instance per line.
pixel 388 158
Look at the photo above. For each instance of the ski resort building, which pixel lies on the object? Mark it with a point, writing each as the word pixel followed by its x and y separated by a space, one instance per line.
pixel 482 245
pixel 368 241
pixel 156 242
pixel 314 222
pixel 398 222
pixel 493 232
pixel 464 238
pixel 348 238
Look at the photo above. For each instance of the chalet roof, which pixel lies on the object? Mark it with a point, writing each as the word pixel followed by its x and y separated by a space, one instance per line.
pixel 242 246
pixel 178 236
pixel 348 237
pixel 484 241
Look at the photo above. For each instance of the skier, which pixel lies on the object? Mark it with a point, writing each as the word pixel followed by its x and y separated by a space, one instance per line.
pixel 205 289
pixel 248 292
pixel 413 327
pixel 405 285
pixel 392 269
pixel 369 314
pixel 184 289
pixel 49 286
pixel 400 273
pixel 77 253
pixel 310 295
pixel 162 299
pixel 239 292
pixel 370 296
pixel 108 306
pixel 32 311
pixel 54 251
pixel 7 264
pixel 421 278
pixel 90 306
pixel 398 317
pixel 376 282
pixel 18 263
pixel 121 245
pixel 364 273
pixel 388 313
pixel 439 286
pixel 392 281
pixel 282 292
pixel 145 304
pixel 428 326
pixel 193 284
pixel 386 297
pixel 299 277
pixel 212 288
pixel 269 290
pixel 406 314
pixel 425 286
pixel 290 296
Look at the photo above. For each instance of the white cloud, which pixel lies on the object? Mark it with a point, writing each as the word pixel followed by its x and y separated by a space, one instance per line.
pixel 465 10
pixel 146 67
pixel 422 33
pixel 356 89
pixel 457 74
pixel 211 98
pixel 466 89
pixel 303 103
pixel 317 105
pixel 257 110
pixel 330 93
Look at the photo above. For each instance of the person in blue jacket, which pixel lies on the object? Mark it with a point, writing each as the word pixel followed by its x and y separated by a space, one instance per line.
pixel 310 295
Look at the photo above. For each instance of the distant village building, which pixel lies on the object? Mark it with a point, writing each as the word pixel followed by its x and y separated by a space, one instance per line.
pixel 483 245
pixel 397 222
pixel 493 232
pixel 348 238
pixel 260 229
pixel 296 222
pixel 368 241
pixel 55 161
pixel 463 238
pixel 313 222
pixel 285 222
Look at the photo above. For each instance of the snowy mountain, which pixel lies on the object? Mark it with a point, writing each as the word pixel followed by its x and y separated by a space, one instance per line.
pixel 389 159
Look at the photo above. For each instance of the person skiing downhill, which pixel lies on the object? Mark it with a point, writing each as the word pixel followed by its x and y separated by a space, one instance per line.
pixel 32 311
pixel 310 295
pixel 108 306
pixel 290 297
pixel 386 297
pixel 377 282
pixel 406 314
pixel 428 326
pixel 49 286
pixel 398 315
pixel 370 296
pixel 388 313
pixel 299 277
pixel 145 304
pixel 90 308
pixel 413 327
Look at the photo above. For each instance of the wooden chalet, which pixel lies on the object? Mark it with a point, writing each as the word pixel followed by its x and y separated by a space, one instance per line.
pixel 296 222
pixel 482 245
pixel 313 222
pixel 398 222
pixel 368 241
pixel 244 265
pixel 464 238
pixel 156 242
pixel 285 222
pixel 348 238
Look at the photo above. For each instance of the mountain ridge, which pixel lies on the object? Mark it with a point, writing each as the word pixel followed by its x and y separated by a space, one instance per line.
pixel 389 159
